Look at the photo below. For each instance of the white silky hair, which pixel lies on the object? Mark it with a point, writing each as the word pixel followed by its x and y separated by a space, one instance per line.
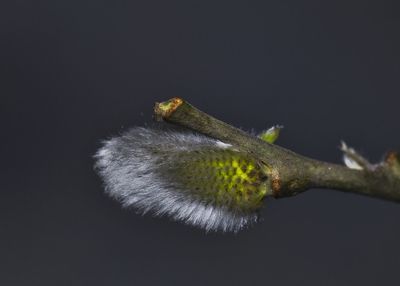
pixel 350 163
pixel 348 153
pixel 130 167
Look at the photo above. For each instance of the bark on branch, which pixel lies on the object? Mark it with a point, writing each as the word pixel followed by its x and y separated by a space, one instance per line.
pixel 289 172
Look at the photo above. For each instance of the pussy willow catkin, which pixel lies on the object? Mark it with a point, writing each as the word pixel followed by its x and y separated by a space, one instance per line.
pixel 187 176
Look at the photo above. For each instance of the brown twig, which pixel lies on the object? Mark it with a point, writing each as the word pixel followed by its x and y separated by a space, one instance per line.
pixel 289 172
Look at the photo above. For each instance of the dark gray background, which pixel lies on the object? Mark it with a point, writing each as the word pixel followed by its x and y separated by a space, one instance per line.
pixel 74 72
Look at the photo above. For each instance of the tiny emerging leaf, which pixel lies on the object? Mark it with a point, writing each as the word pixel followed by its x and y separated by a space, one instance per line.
pixel 272 134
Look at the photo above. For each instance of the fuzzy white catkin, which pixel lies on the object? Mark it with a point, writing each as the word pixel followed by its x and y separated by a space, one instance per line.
pixel 131 166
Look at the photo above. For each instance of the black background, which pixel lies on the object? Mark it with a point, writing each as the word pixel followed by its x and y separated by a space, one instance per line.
pixel 75 72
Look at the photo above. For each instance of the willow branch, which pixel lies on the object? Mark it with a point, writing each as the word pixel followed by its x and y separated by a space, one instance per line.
pixel 289 172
